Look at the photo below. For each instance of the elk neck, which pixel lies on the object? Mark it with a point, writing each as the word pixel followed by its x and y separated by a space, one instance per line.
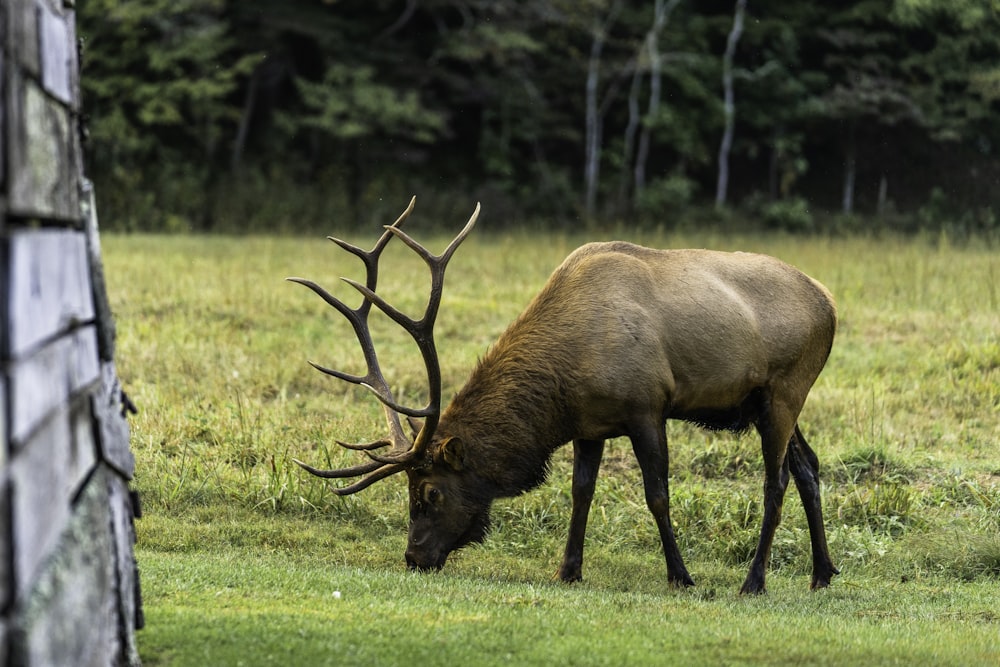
pixel 513 412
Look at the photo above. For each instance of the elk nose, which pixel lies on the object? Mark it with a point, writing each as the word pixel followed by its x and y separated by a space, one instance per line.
pixel 423 561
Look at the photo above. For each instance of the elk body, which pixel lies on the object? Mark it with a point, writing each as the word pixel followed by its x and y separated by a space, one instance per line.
pixel 620 339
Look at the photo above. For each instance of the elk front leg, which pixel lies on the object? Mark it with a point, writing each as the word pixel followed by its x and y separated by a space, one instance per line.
pixel 649 441
pixel 804 466
pixel 586 462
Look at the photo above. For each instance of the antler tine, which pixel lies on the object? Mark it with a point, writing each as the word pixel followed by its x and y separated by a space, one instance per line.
pixel 339 305
pixel 341 473
pixel 371 257
pixel 444 257
pixel 364 381
pixel 358 320
pixel 373 380
pixel 380 473
pixel 368 447
pixel 420 330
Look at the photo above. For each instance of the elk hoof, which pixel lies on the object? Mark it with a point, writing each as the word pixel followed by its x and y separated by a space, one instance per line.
pixel 822 574
pixel 753 587
pixel 570 576
pixel 683 580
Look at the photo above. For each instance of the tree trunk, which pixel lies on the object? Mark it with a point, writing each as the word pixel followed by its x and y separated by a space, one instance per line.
pixel 850 173
pixel 633 174
pixel 629 143
pixel 729 105
pixel 594 120
pixel 774 163
pixel 239 143
pixel 653 53
pixel 592 161
pixel 661 13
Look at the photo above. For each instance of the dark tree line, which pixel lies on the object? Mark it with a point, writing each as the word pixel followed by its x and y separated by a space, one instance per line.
pixel 288 114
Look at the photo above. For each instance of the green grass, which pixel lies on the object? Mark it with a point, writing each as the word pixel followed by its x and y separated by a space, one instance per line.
pixel 240 551
pixel 273 609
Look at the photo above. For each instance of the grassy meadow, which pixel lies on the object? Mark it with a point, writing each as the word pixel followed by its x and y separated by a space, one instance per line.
pixel 247 560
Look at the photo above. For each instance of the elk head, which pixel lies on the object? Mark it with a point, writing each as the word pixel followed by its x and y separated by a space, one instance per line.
pixel 445 511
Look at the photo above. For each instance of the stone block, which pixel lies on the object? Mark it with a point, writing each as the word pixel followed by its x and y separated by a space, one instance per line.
pixel 113 429
pixel 129 598
pixel 81 459
pixel 102 306
pixel 71 615
pixel 45 381
pixel 4 445
pixel 6 576
pixel 40 496
pixel 3 126
pixel 3 641
pixel 57 53
pixel 43 153
pixel 22 33
pixel 48 286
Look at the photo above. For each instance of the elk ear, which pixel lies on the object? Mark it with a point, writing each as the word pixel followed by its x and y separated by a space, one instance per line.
pixel 453 452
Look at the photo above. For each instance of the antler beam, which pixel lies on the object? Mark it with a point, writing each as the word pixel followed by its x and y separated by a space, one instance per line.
pixel 402 454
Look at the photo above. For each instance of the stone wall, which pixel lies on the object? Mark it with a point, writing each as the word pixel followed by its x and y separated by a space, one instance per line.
pixel 68 580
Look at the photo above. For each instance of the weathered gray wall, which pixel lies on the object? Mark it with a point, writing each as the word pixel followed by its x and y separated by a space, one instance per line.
pixel 68 581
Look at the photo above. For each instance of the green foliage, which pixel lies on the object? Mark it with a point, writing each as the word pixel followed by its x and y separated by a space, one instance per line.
pixel 665 198
pixel 189 102
pixel 787 214
pixel 156 67
pixel 160 80
pixel 966 13
pixel 961 59
pixel 873 465
pixel 887 508
pixel 936 210
pixel 962 553
pixel 350 104
pixel 719 461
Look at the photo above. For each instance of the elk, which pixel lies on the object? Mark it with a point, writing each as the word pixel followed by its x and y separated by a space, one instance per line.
pixel 620 339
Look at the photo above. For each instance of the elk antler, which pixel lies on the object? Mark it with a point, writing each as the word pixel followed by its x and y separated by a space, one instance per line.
pixel 402 454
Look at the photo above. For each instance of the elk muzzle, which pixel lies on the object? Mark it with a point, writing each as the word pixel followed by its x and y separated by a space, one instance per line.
pixel 424 559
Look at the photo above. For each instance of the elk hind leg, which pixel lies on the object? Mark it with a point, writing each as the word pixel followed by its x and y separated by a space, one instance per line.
pixel 804 466
pixel 587 456
pixel 775 428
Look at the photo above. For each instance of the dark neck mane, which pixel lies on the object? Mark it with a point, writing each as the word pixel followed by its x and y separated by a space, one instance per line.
pixel 513 414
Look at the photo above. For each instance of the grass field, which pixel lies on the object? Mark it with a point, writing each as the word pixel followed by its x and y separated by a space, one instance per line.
pixel 246 560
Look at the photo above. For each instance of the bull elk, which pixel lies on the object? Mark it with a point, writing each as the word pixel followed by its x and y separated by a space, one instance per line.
pixel 620 339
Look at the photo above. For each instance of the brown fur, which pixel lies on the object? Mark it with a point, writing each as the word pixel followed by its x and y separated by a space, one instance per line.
pixel 619 339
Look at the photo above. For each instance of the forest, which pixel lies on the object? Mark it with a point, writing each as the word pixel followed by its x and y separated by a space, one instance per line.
pixel 294 115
